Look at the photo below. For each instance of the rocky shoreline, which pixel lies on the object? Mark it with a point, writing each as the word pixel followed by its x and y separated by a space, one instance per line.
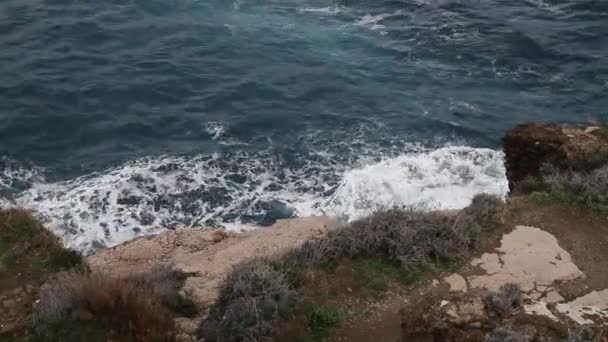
pixel 536 273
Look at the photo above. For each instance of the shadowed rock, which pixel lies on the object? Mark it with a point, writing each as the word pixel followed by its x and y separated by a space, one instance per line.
pixel 528 147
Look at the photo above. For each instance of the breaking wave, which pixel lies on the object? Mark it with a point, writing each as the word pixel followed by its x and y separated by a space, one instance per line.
pixel 240 191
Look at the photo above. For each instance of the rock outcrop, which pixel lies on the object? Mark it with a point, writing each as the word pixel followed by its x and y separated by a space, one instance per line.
pixel 529 146
pixel 208 254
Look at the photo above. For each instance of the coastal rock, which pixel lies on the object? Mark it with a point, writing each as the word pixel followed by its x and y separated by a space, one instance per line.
pixel 529 146
pixel 527 256
pixel 207 254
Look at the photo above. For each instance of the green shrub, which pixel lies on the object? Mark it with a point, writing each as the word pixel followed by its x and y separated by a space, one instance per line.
pixel 321 320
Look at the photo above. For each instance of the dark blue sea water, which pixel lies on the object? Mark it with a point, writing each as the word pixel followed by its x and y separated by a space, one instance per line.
pixel 122 118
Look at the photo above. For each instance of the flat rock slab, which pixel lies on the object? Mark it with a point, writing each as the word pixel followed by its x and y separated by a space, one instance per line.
pixel 456 282
pixel 209 254
pixel 527 256
pixel 588 309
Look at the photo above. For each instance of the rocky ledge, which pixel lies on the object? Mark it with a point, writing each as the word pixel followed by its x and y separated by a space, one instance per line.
pixel 529 146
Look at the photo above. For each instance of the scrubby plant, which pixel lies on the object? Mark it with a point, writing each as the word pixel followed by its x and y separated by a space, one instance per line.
pixel 136 307
pixel 253 296
pixel 412 237
pixel 503 302
pixel 485 210
pixel 588 189
pixel 507 334
pixel 165 282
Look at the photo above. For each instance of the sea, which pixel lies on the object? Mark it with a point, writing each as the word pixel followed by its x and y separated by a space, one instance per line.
pixel 124 118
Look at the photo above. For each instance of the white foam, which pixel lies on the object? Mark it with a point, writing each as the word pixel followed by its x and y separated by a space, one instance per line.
pixel 148 195
pixel 323 10
pixel 374 21
pixel 447 178
pixel 215 129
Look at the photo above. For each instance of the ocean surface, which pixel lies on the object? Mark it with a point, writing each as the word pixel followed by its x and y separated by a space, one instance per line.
pixel 127 117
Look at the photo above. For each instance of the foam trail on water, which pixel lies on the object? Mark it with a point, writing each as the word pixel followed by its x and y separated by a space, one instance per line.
pixel 150 195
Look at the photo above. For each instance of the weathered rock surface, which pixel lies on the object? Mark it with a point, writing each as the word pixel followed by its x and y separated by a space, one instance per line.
pixel 209 254
pixel 456 282
pixel 527 256
pixel 527 147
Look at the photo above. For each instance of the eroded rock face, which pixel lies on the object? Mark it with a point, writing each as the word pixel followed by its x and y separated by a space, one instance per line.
pixel 528 147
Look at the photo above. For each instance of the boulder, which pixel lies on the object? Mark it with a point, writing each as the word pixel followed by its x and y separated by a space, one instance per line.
pixel 529 146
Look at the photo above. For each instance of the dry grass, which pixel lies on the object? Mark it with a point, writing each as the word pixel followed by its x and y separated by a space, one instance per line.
pixel 134 307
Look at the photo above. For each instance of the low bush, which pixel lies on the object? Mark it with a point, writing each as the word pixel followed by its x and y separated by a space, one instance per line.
pixel 412 237
pixel 135 307
pixel 503 302
pixel 587 189
pixel 253 296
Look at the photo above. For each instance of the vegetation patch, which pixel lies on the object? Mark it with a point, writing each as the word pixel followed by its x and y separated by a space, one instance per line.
pixel 392 245
pixel 321 319
pixel 26 246
pixel 584 189
pixel 137 307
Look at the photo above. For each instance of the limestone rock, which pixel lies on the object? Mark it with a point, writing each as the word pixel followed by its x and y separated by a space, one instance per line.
pixel 527 256
pixel 456 282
